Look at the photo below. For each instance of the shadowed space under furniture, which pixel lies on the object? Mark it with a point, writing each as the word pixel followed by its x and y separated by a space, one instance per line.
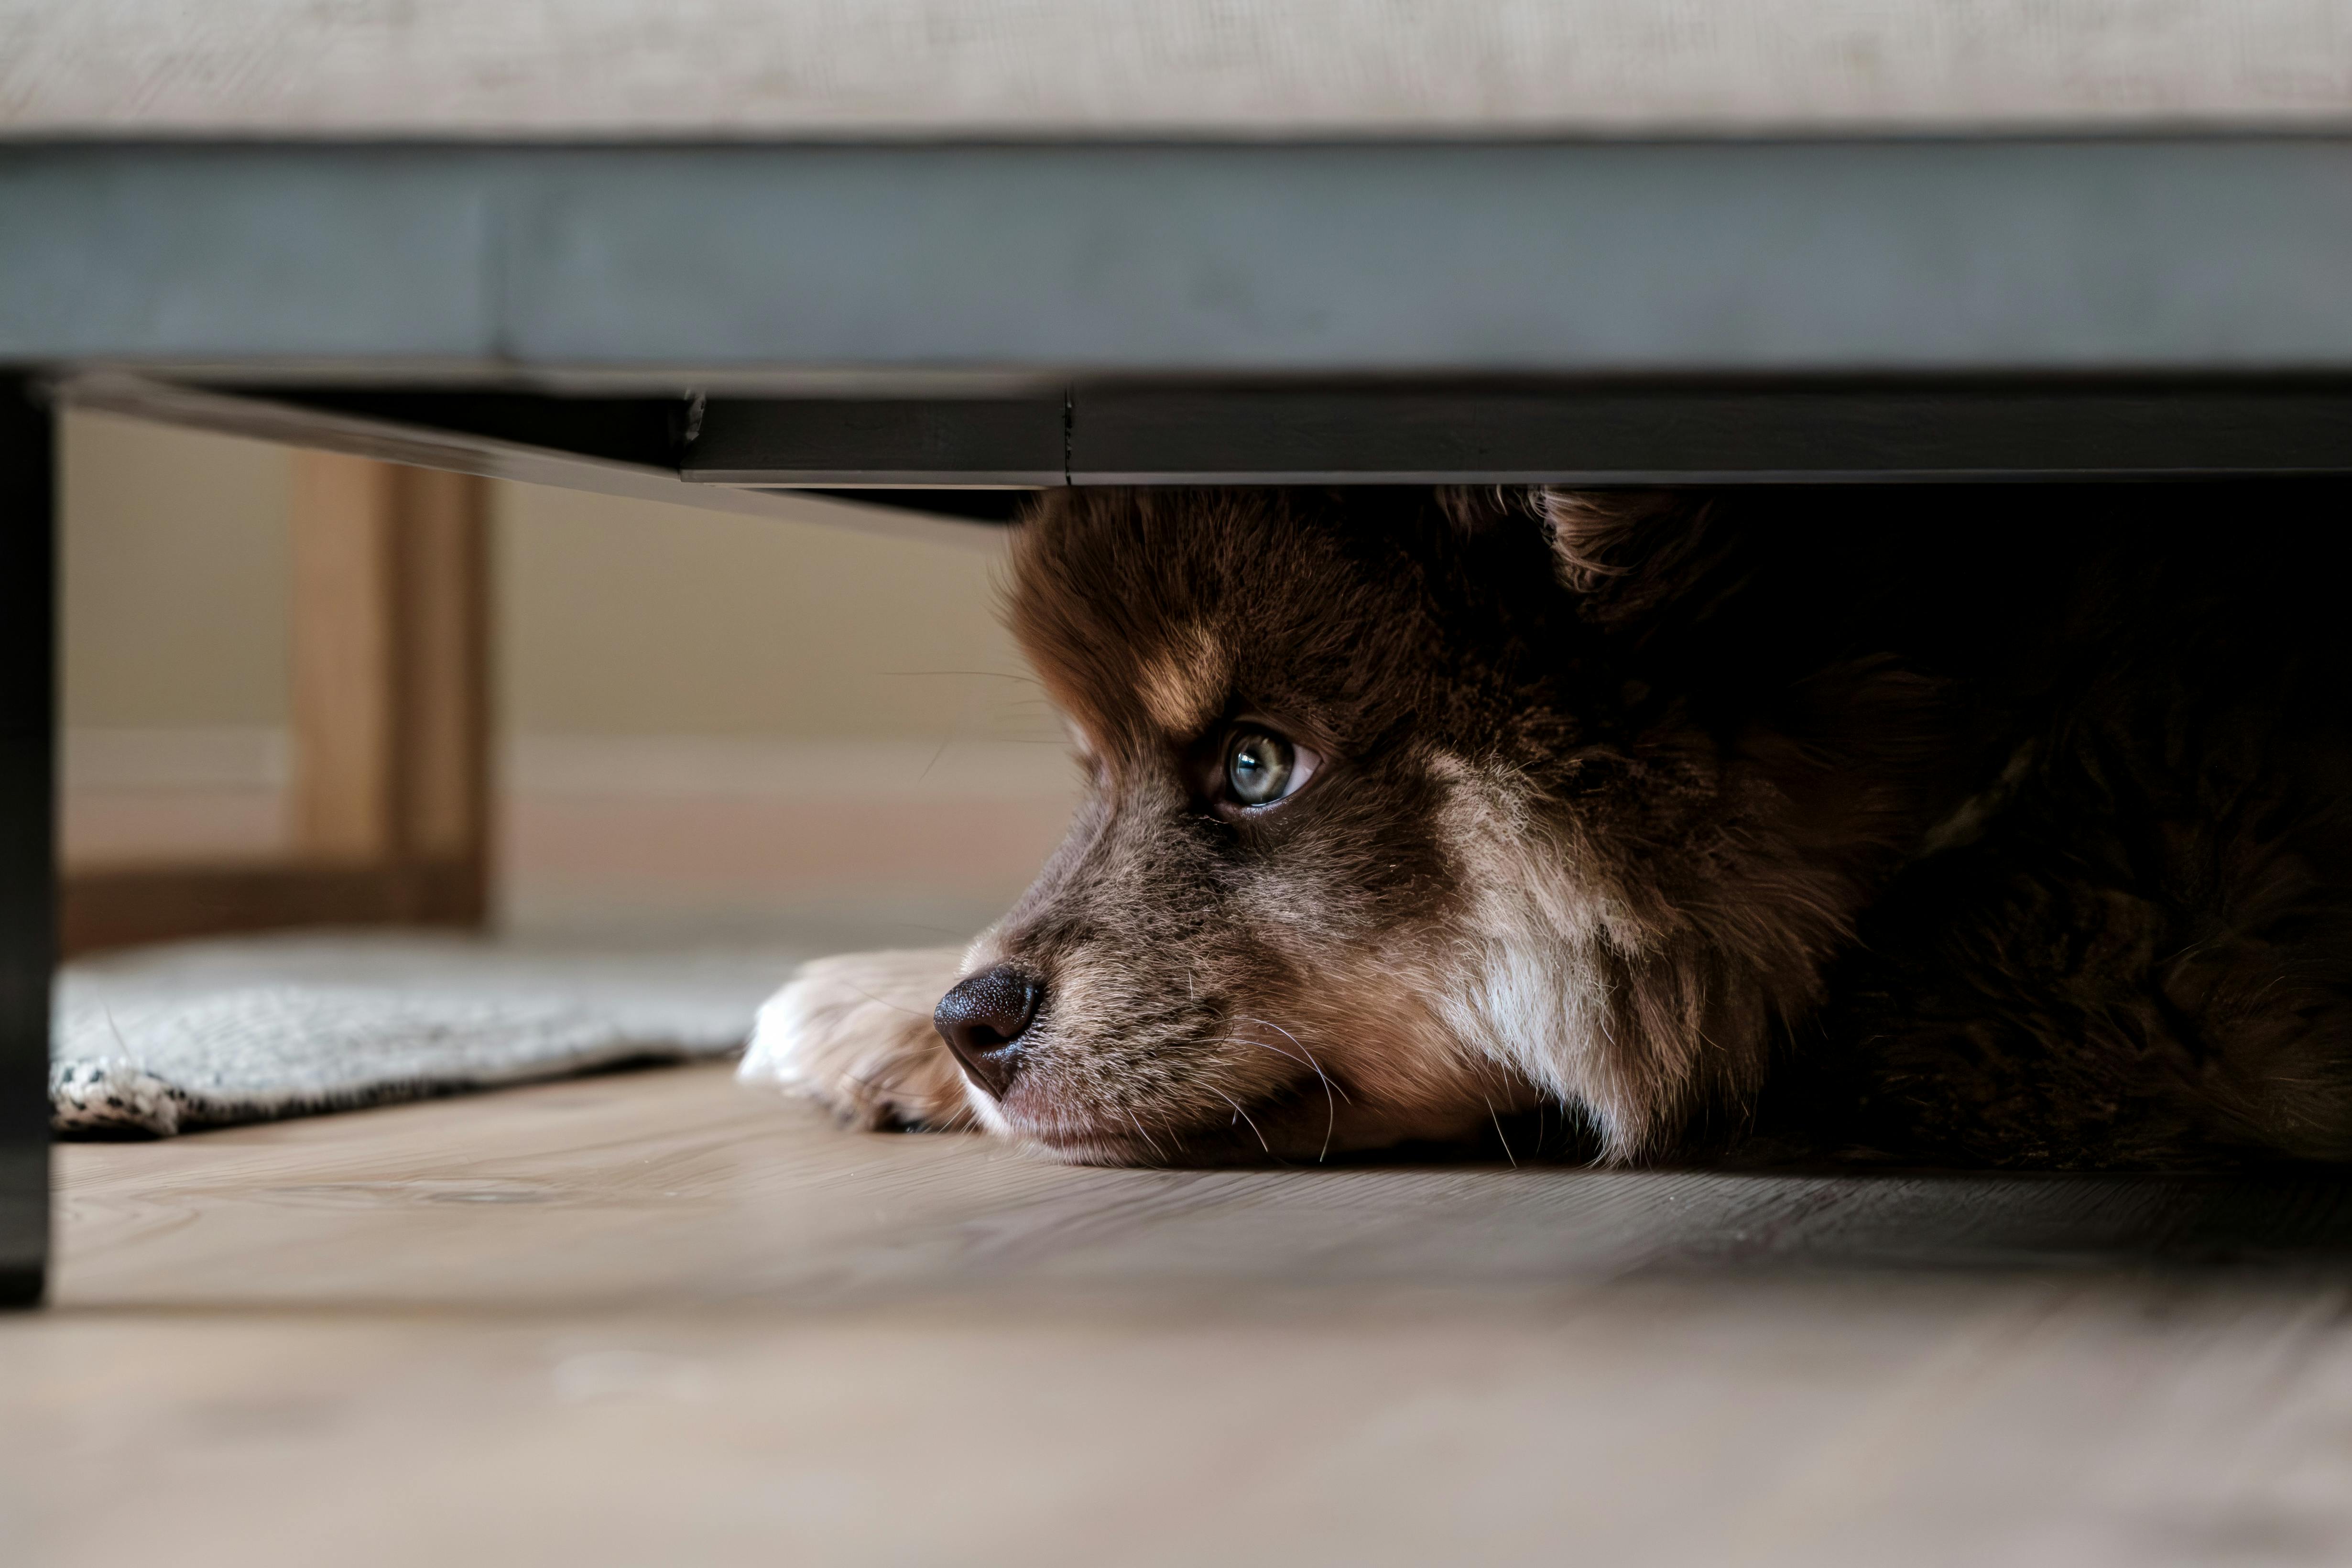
pixel 653 1317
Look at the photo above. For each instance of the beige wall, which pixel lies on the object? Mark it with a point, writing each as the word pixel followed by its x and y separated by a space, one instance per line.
pixel 615 617
pixel 174 578
pixel 701 711
pixel 626 617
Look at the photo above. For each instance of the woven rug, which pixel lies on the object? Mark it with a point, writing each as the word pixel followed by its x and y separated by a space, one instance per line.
pixel 201 1035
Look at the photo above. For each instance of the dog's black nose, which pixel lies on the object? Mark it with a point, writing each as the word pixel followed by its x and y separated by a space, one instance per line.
pixel 983 1020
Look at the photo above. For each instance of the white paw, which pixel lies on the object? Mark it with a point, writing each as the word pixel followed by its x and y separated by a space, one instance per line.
pixel 854 1033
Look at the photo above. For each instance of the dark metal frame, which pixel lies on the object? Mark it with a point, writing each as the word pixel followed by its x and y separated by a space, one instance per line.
pixel 27 812
pixel 1589 432
pixel 968 457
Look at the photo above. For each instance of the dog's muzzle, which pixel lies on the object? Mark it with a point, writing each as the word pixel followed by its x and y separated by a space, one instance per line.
pixel 983 1020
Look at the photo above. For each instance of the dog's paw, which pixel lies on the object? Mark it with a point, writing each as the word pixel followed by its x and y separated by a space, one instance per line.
pixel 854 1033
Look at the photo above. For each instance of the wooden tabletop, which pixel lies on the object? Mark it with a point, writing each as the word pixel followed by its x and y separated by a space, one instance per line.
pixel 656 1317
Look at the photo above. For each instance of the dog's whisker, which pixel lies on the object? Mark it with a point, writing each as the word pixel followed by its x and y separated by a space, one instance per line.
pixel 1295 1040
pixel 1276 1050
pixel 1331 1105
pixel 1331 1108
pixel 981 674
pixel 893 1006
pixel 1245 1116
pixel 1142 1134
pixel 1497 1121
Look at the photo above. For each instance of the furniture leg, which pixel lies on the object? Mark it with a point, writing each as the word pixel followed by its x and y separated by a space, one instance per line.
pixel 27 808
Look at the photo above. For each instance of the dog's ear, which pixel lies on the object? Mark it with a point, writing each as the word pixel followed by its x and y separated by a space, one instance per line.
pixel 1480 508
pixel 1622 552
pixel 1631 554
pixel 1601 536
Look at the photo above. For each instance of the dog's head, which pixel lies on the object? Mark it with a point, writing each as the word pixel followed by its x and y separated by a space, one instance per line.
pixel 1399 821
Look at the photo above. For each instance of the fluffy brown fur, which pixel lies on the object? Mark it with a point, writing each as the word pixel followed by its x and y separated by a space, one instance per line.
pixel 1994 825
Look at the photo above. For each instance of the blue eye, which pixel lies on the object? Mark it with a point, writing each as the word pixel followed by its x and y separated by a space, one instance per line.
pixel 1261 768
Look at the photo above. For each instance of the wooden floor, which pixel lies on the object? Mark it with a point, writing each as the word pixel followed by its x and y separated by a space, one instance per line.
pixel 653 1319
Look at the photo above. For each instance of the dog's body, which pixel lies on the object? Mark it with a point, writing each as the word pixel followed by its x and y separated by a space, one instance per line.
pixel 1987 826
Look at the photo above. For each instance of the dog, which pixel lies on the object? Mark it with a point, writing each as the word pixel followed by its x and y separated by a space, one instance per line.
pixel 1974 827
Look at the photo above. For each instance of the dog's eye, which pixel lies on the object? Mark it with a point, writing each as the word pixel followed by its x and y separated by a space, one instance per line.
pixel 1261 768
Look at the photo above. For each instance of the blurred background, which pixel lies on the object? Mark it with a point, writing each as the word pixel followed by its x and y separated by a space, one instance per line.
pixel 725 723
